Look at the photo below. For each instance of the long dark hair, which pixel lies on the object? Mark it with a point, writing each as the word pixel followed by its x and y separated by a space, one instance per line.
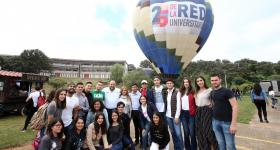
pixel 257 89
pixel 145 98
pixel 51 124
pixel 160 124
pixel 183 88
pixel 97 126
pixel 197 87
pixel 101 106
pixel 119 118
pixel 51 96
pixel 60 104
pixel 75 121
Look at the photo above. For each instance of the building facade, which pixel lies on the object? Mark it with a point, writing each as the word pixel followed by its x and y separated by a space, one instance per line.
pixel 88 69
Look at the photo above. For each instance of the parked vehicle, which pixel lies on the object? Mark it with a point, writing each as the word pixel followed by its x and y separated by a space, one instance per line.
pixel 15 88
pixel 265 84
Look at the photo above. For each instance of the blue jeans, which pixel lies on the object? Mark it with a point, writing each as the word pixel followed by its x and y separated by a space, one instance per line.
pixel 145 135
pixel 175 130
pixel 225 139
pixel 127 142
pixel 118 146
pixel 188 123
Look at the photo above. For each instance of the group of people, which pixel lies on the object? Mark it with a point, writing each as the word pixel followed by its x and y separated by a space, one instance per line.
pixel 82 118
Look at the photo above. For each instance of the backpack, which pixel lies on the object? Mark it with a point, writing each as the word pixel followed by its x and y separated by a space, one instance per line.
pixel 41 101
pixel 39 120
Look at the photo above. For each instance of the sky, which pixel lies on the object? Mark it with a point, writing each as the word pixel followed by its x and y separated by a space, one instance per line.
pixel 102 29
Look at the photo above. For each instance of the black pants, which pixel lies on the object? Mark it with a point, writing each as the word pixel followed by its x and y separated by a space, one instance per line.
pixel 109 111
pixel 135 114
pixel 30 114
pixel 261 106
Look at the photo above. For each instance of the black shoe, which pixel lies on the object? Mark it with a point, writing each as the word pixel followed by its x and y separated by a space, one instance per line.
pixel 261 121
pixel 266 121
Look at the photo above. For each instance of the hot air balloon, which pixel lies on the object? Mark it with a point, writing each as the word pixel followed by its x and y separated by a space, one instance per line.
pixel 171 32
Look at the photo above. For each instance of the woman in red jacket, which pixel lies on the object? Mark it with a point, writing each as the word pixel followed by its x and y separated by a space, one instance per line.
pixel 188 109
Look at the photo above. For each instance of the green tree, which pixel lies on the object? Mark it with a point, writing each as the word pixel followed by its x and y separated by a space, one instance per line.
pixel 34 61
pixel 146 64
pixel 117 72
pixel 135 76
pixel 57 82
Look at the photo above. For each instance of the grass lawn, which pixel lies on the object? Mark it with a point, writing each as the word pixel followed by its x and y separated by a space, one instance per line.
pixel 246 110
pixel 10 135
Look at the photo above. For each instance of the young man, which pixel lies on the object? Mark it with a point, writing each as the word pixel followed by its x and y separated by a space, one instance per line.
pixel 112 95
pixel 135 96
pixel 83 102
pixel 127 141
pixel 225 109
pixel 87 91
pixel 71 110
pixel 34 98
pixel 173 107
pixel 146 92
pixel 98 94
pixel 159 91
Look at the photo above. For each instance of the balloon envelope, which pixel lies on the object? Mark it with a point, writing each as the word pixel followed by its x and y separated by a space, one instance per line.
pixel 171 32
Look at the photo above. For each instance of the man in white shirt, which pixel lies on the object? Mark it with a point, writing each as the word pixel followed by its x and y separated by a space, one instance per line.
pixel 71 110
pixel 173 108
pixel 135 96
pixel 112 95
pixel 159 91
pixel 34 98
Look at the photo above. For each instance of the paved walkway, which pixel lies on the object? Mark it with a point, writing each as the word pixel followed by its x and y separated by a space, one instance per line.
pixel 260 136
pixel 253 136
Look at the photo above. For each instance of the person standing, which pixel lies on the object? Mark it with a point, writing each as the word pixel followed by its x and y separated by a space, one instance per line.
pixel 135 96
pixel 225 109
pixel 145 91
pixel 98 94
pixel 203 124
pixel 187 117
pixel 159 92
pixel 111 98
pixel 71 110
pixel 32 97
pixel 83 102
pixel 260 99
pixel 87 91
pixel 173 109
pixel 125 98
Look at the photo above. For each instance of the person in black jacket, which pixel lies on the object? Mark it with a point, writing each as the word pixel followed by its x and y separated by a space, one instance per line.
pixel 127 141
pixel 146 109
pixel 115 132
pixel 77 136
pixel 159 133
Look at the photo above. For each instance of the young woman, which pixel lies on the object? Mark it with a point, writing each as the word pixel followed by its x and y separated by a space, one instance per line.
pixel 187 117
pixel 77 136
pixel 56 106
pixel 159 133
pixel 54 137
pixel 203 124
pixel 125 98
pixel 146 109
pixel 115 132
pixel 96 132
pixel 127 141
pixel 97 107
pixel 259 98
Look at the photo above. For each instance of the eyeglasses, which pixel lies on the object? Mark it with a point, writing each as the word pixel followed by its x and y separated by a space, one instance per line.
pixel 58 125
